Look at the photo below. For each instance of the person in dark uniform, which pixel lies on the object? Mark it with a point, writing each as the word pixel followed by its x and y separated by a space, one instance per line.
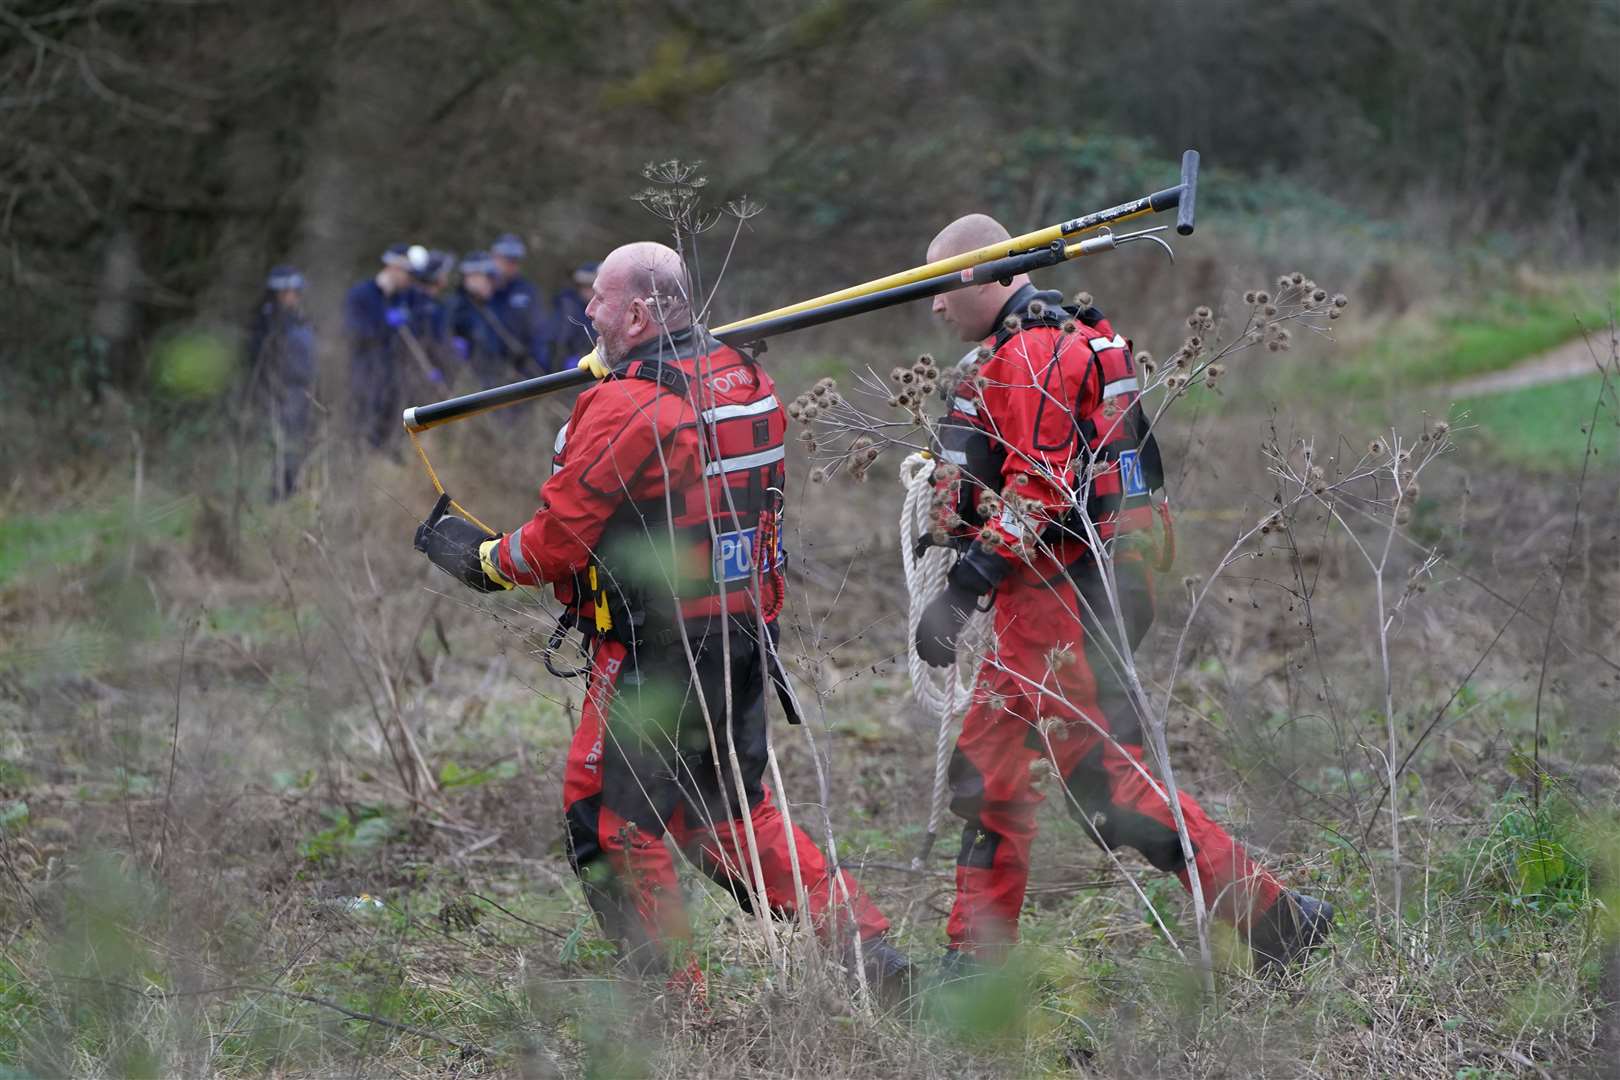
pixel 373 312
pixel 426 333
pixel 520 308
pixel 477 334
pixel 571 331
pixel 281 375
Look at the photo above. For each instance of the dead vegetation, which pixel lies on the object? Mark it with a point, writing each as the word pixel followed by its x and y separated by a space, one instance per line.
pixel 295 817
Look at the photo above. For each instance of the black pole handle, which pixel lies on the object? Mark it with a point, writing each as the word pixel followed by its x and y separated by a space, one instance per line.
pixel 1188 203
pixel 422 417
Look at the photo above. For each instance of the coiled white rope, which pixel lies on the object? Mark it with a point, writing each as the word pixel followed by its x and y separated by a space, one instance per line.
pixel 943 691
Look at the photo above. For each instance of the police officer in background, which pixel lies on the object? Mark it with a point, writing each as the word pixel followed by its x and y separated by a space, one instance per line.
pixel 477 334
pixel 427 332
pixel 658 528
pixel 519 307
pixel 281 374
pixel 374 310
pixel 571 330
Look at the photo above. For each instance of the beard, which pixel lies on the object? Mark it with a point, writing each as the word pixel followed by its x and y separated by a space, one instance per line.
pixel 608 346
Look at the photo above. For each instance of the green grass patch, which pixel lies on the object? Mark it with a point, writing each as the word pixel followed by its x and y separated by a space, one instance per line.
pixel 1540 428
pixel 1499 333
pixel 34 543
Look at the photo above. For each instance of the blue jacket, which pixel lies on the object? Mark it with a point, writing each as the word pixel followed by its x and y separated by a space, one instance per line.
pixel 521 310
pixel 571 328
pixel 281 363
pixel 478 339
pixel 429 321
pixel 370 325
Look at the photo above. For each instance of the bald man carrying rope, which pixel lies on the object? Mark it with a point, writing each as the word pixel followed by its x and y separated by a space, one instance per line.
pixel 1057 465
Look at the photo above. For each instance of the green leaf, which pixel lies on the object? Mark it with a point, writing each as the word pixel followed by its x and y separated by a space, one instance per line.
pixel 1540 864
pixel 14 816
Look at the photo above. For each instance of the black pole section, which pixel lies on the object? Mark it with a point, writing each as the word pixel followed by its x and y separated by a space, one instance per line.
pixel 423 417
pixel 1188 202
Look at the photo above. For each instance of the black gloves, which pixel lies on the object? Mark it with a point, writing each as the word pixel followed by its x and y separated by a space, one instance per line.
pixel 942 620
pixel 451 543
pixel 975 574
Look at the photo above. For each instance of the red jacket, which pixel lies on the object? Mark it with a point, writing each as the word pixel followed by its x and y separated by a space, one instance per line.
pixel 1054 397
pixel 683 449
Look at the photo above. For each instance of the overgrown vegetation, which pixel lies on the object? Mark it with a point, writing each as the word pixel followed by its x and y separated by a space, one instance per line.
pixel 276 799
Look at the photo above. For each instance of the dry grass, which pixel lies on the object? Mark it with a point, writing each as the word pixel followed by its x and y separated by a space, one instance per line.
pixel 179 896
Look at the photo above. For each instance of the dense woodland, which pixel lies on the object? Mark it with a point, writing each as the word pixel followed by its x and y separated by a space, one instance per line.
pixel 160 156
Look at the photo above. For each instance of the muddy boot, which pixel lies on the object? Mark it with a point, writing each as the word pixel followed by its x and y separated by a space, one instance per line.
pixel 888 971
pixel 1293 926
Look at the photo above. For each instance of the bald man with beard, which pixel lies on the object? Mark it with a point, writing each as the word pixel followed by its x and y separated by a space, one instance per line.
pixel 659 530
pixel 1057 466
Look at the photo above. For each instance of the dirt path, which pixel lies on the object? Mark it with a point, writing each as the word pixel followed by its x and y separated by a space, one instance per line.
pixel 1570 360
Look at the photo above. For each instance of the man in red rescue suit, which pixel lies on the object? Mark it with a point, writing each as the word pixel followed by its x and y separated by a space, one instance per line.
pixel 658 528
pixel 1048 400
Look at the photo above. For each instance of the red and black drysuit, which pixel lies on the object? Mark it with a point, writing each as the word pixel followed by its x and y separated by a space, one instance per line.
pixel 1055 399
pixel 663 506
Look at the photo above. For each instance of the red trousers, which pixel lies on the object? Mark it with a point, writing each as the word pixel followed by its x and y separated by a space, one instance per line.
pixel 1050 662
pixel 642 766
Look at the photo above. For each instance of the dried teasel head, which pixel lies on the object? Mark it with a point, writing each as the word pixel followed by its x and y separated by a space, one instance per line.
pixel 1012 324
pixel 1036 309
pixel 1082 299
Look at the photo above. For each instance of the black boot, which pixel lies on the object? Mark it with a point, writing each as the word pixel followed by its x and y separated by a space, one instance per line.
pixel 888 971
pixel 1293 926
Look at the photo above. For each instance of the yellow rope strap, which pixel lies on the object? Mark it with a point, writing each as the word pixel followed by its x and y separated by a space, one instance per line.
pixel 438 487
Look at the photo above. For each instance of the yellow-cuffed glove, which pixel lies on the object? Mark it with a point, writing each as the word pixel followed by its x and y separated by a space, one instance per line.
pixel 593 363
pixel 489 560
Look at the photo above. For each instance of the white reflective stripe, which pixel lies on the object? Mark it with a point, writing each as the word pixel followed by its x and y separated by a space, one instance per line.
pixel 955 457
pixel 746 461
pixel 731 412
pixel 557 448
pixel 1010 522
pixel 963 405
pixel 1120 386
pixel 1116 342
pixel 514 548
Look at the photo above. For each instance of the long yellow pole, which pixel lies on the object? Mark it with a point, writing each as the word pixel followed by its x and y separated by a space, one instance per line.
pixel 968 259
